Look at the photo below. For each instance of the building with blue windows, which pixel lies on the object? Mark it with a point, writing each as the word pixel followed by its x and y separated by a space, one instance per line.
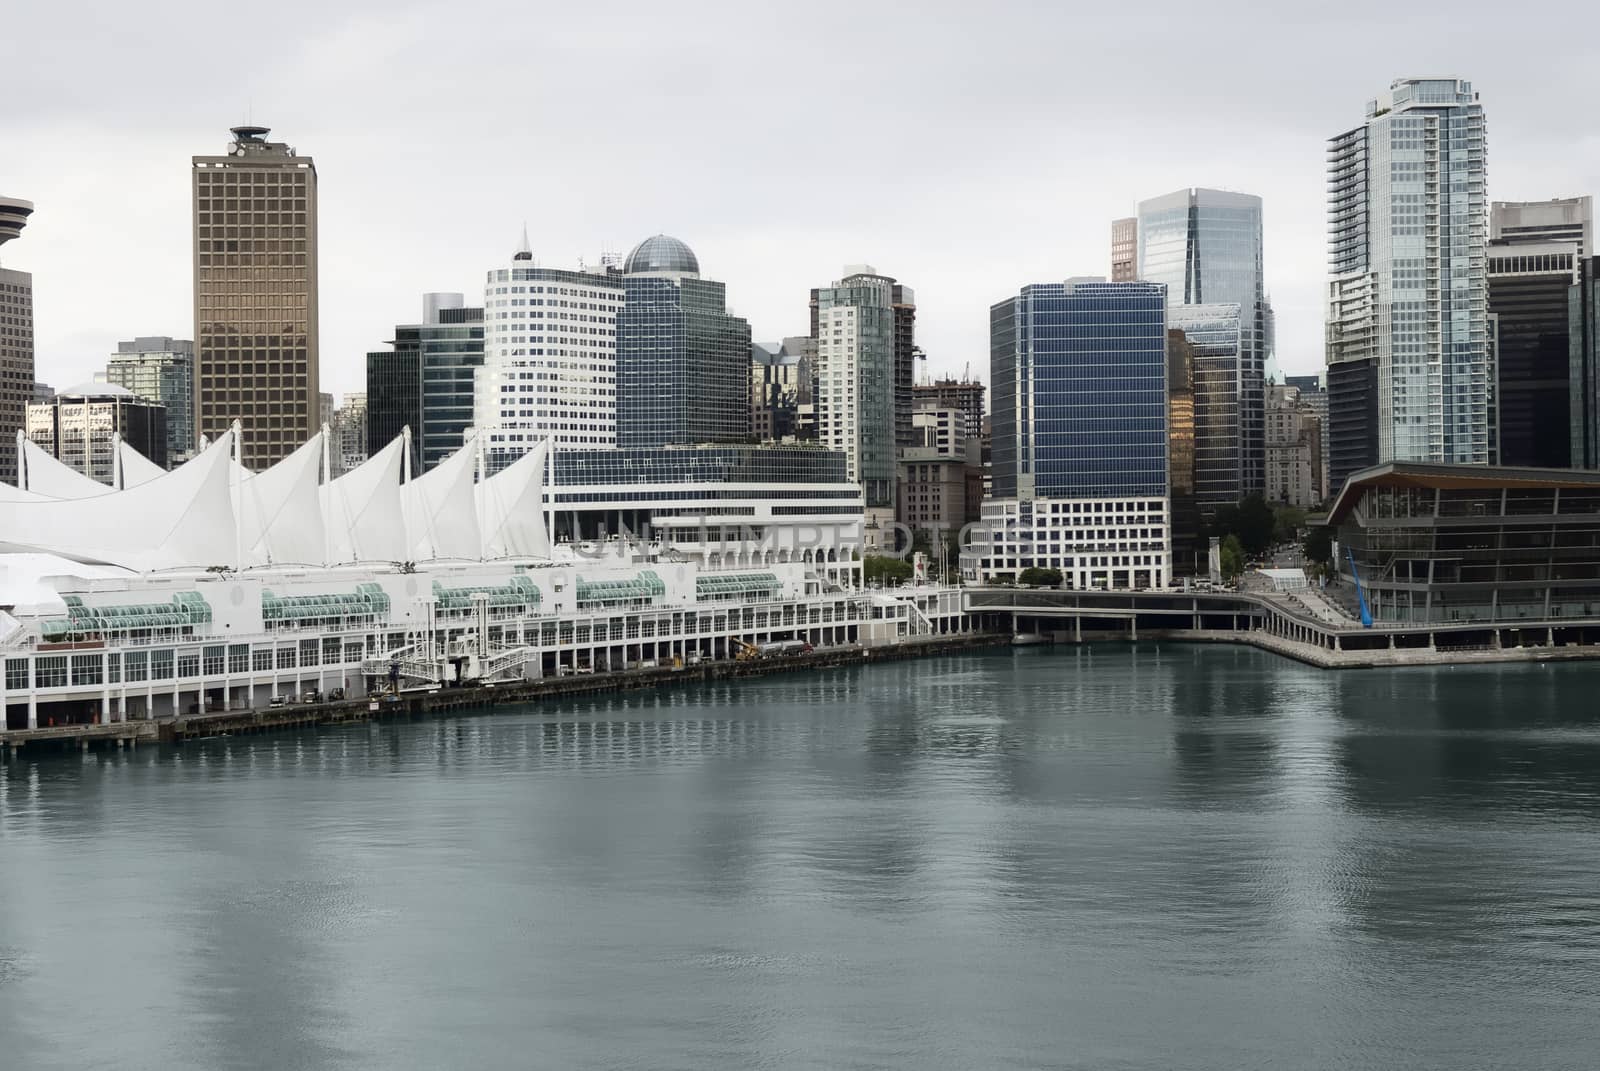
pixel 1080 455
pixel 1206 246
pixel 426 381
pixel 682 360
pixel 451 342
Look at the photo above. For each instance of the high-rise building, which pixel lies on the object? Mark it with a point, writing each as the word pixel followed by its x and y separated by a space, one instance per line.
pixel 1206 246
pixel 80 427
pixel 1569 220
pixel 349 433
pixel 1125 249
pixel 1314 393
pixel 161 369
pixel 394 392
pixel 1534 250
pixel 549 357
pixel 427 381
pixel 255 295
pixel 1583 347
pixel 781 379
pixel 1408 251
pixel 854 323
pixel 1294 449
pixel 43 392
pixel 1215 334
pixel 936 484
pixel 1352 419
pixel 950 393
pixel 1080 474
pixel 906 356
pixel 1187 522
pixel 683 360
pixel 16 339
pixel 450 339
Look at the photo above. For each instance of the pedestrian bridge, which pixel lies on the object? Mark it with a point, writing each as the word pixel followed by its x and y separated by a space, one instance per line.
pixel 1270 616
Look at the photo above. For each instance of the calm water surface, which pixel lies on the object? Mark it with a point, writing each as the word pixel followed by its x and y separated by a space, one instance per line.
pixel 1105 858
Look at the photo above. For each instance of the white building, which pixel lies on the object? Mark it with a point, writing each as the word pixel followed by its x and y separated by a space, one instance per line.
pixel 855 396
pixel 549 357
pixel 1408 226
pixel 215 588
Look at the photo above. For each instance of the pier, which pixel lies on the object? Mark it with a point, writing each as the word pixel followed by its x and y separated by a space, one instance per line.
pixel 1282 625
pixel 437 701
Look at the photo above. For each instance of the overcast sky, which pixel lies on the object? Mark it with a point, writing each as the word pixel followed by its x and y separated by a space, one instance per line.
pixel 966 149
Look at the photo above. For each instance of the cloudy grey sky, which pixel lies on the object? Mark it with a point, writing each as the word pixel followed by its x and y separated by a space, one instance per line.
pixel 965 148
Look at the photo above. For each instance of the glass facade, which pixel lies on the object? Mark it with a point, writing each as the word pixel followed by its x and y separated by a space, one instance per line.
pixel 1508 547
pixel 1583 355
pixel 856 326
pixel 714 464
pixel 1408 243
pixel 1206 246
pixel 1215 334
pixel 161 369
pixel 1080 391
pixel 394 392
pixel 683 363
pixel 451 354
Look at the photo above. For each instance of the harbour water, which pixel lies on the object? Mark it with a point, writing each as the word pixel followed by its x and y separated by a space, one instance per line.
pixel 1111 857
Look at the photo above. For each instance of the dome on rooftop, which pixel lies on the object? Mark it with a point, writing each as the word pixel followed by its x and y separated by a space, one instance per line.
pixel 95 390
pixel 661 253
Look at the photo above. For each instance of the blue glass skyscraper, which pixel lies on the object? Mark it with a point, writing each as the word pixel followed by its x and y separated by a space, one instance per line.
pixel 1080 418
pixel 1205 245
pixel 1080 390
pixel 683 362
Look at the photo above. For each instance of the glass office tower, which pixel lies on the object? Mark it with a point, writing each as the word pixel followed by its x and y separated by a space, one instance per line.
pixel 1080 390
pixel 1408 236
pixel 683 361
pixel 1216 335
pixel 1205 245
pixel 1080 430
pixel 161 369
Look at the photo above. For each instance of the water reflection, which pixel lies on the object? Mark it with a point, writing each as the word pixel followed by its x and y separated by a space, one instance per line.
pixel 1137 856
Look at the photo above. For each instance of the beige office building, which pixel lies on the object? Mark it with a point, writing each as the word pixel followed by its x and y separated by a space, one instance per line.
pixel 1125 250
pixel 255 295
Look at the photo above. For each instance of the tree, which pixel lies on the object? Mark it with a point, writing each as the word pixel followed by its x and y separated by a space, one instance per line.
pixel 1035 577
pixel 1232 557
pixel 1251 519
pixel 1318 545
pixel 1286 523
pixel 885 569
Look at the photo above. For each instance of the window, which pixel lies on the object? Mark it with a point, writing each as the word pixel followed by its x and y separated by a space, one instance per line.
pixel 16 674
pixel 52 672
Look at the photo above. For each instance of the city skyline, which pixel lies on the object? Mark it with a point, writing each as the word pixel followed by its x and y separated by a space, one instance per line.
pixel 970 213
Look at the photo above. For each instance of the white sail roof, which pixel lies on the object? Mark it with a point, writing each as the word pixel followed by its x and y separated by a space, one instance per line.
pixel 511 508
pixel 280 510
pixel 55 479
pixel 17 494
pixel 441 515
pixel 136 468
pixel 361 510
pixel 183 519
